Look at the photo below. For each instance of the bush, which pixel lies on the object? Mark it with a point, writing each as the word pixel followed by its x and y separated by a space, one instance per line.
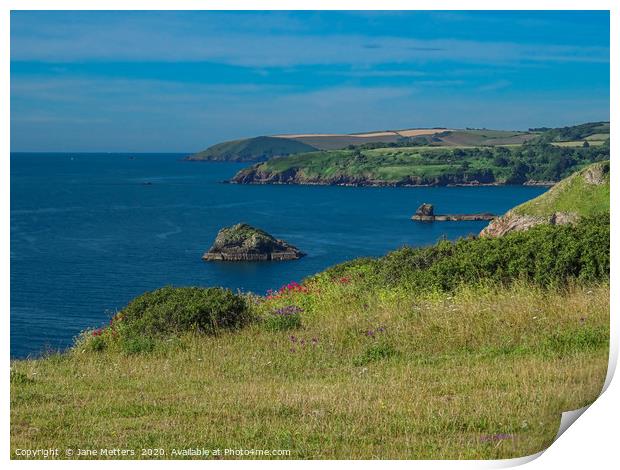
pixel 285 318
pixel 174 310
pixel 137 345
pixel 545 255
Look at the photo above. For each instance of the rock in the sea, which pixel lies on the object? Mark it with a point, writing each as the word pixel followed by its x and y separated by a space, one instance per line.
pixel 426 213
pixel 243 242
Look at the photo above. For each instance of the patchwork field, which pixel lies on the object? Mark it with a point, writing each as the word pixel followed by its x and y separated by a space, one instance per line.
pixel 426 165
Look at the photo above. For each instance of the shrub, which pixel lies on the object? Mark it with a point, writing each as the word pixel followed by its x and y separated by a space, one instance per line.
pixel 138 344
pixel 285 318
pixel 545 255
pixel 173 310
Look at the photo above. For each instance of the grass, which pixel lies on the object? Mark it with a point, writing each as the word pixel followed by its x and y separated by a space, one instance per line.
pixel 470 349
pixel 254 149
pixel 429 165
pixel 579 143
pixel 369 374
pixel 574 194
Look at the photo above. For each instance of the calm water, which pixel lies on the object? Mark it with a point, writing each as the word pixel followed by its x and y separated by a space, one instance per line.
pixel 87 235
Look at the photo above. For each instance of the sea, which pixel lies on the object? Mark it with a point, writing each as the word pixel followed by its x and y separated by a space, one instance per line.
pixel 91 231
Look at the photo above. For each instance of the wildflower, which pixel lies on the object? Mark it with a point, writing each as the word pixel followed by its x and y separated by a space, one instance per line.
pixel 293 339
pixel 289 310
pixel 315 341
pixel 381 329
pixel 370 333
pixel 98 332
pixel 302 342
pixel 344 280
pixel 292 350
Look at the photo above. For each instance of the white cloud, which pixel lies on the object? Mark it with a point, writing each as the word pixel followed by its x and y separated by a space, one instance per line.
pixel 132 39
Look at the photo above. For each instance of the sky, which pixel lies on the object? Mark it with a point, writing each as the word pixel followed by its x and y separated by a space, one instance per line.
pixel 123 81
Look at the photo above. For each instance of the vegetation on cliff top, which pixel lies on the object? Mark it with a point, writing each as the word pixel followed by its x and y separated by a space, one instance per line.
pixel 584 193
pixel 427 165
pixel 252 150
pixel 258 149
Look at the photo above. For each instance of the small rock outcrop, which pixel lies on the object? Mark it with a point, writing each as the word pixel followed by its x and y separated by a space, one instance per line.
pixel 512 222
pixel 243 242
pixel 426 213
pixel 596 174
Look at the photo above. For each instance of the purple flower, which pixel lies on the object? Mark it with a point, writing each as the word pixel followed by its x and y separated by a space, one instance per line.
pixel 370 333
pixel 315 340
pixel 288 310
pixel 293 339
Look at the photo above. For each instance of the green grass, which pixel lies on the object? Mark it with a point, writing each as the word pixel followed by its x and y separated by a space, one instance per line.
pixel 442 376
pixel 429 165
pixel 574 194
pixel 461 350
pixel 254 149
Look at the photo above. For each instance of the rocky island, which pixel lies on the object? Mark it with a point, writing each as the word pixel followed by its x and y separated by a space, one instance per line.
pixel 426 213
pixel 242 242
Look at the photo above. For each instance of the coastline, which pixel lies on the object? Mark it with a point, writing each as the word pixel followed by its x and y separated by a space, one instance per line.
pixel 389 185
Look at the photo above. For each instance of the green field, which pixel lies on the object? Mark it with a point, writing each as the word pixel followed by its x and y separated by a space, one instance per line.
pixel 427 165
pixel 473 374
pixel 460 350
pixel 250 150
pixel 574 194
pixel 258 149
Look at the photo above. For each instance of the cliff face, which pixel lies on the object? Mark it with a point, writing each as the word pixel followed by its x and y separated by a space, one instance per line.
pixel 585 193
pixel 242 242
pixel 257 175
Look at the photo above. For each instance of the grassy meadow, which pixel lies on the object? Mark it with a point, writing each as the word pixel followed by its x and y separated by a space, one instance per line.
pixel 449 352
pixel 481 373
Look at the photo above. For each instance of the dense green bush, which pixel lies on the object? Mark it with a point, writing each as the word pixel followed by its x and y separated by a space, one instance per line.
pixel 171 310
pixel 545 255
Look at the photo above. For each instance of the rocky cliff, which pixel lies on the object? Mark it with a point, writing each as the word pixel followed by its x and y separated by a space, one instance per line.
pixel 257 174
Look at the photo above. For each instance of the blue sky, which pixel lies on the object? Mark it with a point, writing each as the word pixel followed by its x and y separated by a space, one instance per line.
pixel 181 81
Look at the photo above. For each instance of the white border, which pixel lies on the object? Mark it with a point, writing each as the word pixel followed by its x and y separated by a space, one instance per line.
pixel 591 442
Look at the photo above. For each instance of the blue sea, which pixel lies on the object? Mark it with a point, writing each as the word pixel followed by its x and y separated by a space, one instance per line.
pixel 88 235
